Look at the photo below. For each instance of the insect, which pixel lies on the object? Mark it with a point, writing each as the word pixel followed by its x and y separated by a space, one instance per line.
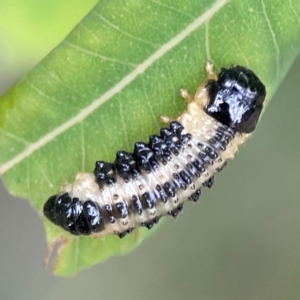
pixel 158 177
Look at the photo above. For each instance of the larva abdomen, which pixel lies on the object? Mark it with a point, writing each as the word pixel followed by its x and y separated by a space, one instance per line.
pixel 159 176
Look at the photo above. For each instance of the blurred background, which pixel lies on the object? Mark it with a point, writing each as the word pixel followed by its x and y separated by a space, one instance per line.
pixel 241 241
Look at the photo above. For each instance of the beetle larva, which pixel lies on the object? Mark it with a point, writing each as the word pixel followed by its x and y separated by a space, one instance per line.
pixel 158 177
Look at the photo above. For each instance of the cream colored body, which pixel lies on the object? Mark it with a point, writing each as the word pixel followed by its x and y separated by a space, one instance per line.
pixel 195 121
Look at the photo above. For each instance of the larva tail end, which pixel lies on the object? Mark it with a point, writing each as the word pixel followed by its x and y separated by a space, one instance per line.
pixel 50 210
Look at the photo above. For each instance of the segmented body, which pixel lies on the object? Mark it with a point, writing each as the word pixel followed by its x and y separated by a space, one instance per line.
pixel 157 178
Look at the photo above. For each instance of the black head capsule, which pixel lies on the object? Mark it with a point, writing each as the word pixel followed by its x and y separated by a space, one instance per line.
pixel 236 98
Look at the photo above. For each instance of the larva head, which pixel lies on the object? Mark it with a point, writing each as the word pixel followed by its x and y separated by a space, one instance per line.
pixel 236 98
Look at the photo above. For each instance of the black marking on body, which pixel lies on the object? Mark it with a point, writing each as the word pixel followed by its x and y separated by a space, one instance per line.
pixel 105 173
pixel 149 200
pixel 125 165
pixel 137 205
pixel 162 194
pixel 92 215
pixel 109 213
pixel 144 157
pixel 209 183
pixel 159 176
pixel 195 196
pixel 129 167
pixel 169 189
pixel 122 210
pixel 174 213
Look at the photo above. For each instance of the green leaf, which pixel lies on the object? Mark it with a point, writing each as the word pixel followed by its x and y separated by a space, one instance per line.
pixel 105 86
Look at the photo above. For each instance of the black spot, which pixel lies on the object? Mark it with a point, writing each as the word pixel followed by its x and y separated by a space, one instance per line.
pixel 228 131
pixel 217 144
pixel 149 199
pixel 126 166
pixel 104 173
pixel 186 138
pixel 145 157
pixel 108 211
pixel 108 207
pixel 222 167
pixel 155 220
pixel 185 177
pixel 199 165
pixel 169 188
pixel 209 183
pixel 174 213
pixel 195 196
pixel 192 170
pixel 122 234
pixel 93 216
pixel 122 209
pixel 176 128
pixel 160 149
pixel 149 225
pixel 80 222
pixel 137 205
pixel 163 196
pixel 221 136
pixel 179 183
pixel 211 152
pixel 171 140
pixel 166 133
pixel 205 158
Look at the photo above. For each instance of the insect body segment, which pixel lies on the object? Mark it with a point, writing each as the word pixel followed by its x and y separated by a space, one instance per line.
pixel 159 176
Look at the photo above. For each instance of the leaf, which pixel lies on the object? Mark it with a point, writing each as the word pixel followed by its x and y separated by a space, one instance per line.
pixel 105 86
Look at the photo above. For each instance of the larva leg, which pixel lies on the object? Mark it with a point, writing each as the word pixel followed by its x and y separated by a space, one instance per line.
pixel 201 96
pixel 210 71
pixel 186 96
pixel 166 119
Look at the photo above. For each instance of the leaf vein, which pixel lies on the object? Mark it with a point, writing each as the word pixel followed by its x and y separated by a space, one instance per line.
pixel 148 102
pixel 172 8
pixel 124 32
pixel 14 137
pixel 273 38
pixel 41 93
pixel 98 55
pixel 294 11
